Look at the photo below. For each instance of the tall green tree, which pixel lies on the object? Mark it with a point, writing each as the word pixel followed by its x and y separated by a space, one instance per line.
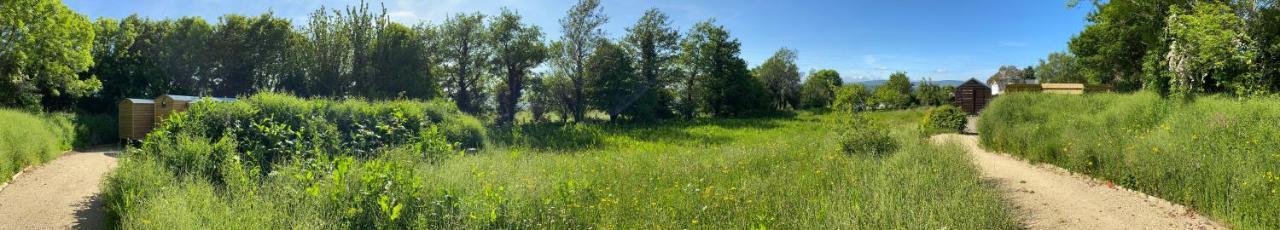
pixel 1265 31
pixel 1206 53
pixel 722 84
pixel 250 53
pixel 1122 34
pixel 895 93
pixel 186 55
pixel 655 44
pixel 582 33
pixel 466 56
pixel 400 65
pixel 126 61
pixel 517 48
pixel 611 81
pixel 1060 67
pixel 781 77
pixel 819 88
pixel 43 47
pixel 326 53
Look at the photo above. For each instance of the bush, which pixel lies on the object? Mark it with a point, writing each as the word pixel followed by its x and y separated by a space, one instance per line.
pixel 944 119
pixel 1217 155
pixel 280 161
pixel 864 138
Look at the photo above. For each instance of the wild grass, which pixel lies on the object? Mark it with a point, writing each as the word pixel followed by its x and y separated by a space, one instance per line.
pixel 1220 156
pixel 713 173
pixel 30 139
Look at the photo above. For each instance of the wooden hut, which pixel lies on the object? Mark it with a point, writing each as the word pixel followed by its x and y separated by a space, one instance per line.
pixel 136 118
pixel 972 96
pixel 169 104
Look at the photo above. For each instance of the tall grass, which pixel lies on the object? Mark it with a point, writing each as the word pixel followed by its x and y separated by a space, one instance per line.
pixel 716 173
pixel 29 139
pixel 1220 156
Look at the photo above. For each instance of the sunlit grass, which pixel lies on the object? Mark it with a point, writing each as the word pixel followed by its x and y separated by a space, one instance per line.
pixel 1220 156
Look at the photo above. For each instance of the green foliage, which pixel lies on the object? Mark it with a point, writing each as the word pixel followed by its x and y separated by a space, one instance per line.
pixel 819 89
pixel 517 49
pixel 582 34
pixel 895 93
pixel 1060 67
pixel 465 57
pixel 655 45
pixel 852 98
pixel 27 139
pixel 1206 56
pixel 43 48
pixel 722 85
pixel 862 138
pixel 612 84
pixel 1216 155
pixel 929 94
pixel 781 78
pixel 944 119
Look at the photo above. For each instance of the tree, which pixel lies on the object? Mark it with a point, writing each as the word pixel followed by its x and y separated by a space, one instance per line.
pixel 929 94
pixel 819 89
pixel 1006 73
pixel 249 53
pixel 781 77
pixel 401 66
pixel 582 33
pixel 895 93
pixel 125 62
pixel 655 44
pixel 465 57
pixel 327 50
pixel 722 85
pixel 1265 31
pixel 611 80
pixel 185 56
pixel 517 48
pixel 1205 53
pixel 852 98
pixel 1060 67
pixel 43 47
pixel 1120 36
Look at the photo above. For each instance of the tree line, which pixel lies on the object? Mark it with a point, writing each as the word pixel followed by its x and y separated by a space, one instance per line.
pixel 1178 48
pixel 55 58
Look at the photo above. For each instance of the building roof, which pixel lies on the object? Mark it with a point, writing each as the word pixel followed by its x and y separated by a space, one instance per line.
pixel 136 100
pixel 195 98
pixel 972 83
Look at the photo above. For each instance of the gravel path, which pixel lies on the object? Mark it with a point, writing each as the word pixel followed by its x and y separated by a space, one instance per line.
pixel 61 194
pixel 1048 197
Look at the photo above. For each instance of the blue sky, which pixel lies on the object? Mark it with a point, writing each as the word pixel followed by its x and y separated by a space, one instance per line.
pixel 862 39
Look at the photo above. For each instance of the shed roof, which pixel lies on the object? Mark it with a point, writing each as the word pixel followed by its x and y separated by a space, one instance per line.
pixel 973 83
pixel 137 100
pixel 195 98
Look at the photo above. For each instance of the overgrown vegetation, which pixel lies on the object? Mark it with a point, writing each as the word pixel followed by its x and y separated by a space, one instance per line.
pixel 944 119
pixel 1216 155
pixel 205 172
pixel 28 139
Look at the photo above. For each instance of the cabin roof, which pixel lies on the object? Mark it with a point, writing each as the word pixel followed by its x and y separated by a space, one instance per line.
pixel 973 83
pixel 195 98
pixel 137 100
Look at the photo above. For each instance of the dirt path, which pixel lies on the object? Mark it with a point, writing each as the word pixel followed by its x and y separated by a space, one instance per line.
pixel 1048 197
pixel 61 194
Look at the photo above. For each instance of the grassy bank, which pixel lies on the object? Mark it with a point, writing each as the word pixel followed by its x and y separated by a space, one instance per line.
pixel 1220 156
pixel 715 173
pixel 29 139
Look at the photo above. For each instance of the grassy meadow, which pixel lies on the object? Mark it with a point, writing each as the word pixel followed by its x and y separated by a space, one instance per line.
pixel 785 172
pixel 1220 156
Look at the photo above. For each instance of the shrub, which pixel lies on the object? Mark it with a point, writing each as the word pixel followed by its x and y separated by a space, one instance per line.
pixel 944 119
pixel 861 137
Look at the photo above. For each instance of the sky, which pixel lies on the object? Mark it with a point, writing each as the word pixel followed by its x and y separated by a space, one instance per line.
pixel 862 39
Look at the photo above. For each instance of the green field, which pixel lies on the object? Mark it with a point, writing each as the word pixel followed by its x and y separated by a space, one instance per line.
pixel 28 139
pixel 1220 156
pixel 784 172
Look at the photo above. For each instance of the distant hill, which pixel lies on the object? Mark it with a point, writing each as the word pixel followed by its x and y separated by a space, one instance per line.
pixel 872 84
